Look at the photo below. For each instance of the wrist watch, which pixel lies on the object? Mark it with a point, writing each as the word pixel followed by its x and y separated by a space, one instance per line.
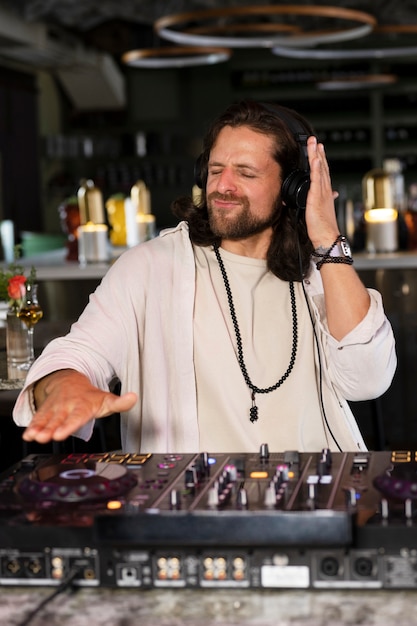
pixel 341 248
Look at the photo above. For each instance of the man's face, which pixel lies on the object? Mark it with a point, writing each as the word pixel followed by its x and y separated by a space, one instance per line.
pixel 243 183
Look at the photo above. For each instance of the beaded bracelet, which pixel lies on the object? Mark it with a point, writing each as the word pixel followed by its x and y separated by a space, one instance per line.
pixel 328 251
pixel 347 260
pixel 326 257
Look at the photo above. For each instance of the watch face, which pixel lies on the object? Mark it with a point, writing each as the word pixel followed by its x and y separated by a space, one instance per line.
pixel 345 247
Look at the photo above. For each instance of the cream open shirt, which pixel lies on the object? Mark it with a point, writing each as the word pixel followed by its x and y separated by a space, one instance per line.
pixel 138 327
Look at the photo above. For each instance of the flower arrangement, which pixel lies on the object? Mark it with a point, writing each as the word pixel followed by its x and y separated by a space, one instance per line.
pixel 13 282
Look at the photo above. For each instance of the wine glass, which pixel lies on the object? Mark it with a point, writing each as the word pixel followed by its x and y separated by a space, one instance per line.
pixel 30 312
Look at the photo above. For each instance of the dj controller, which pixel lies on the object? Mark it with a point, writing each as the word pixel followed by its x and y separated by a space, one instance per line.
pixel 265 520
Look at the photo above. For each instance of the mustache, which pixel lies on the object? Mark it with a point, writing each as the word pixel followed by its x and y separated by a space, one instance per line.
pixel 225 197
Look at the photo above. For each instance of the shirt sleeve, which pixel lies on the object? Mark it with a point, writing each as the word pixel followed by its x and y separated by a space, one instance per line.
pixel 362 364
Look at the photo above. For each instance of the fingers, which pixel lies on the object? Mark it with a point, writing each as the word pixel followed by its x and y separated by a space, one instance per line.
pixel 58 420
pixel 317 158
pixel 319 173
pixel 54 425
pixel 321 219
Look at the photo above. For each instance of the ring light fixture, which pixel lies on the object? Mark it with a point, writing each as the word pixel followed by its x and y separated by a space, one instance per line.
pixel 364 81
pixel 259 27
pixel 174 27
pixel 363 53
pixel 175 56
pixel 329 55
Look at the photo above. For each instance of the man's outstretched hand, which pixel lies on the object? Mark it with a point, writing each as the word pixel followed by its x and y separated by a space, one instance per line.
pixel 66 401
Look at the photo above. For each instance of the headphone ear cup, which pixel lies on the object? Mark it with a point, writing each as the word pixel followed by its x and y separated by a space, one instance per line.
pixel 295 188
pixel 200 173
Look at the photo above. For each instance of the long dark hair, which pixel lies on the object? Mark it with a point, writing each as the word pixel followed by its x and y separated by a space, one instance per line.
pixel 290 249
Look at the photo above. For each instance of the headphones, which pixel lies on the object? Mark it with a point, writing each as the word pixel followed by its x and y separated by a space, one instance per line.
pixel 295 187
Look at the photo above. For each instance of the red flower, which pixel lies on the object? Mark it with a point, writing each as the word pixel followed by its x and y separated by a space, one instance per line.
pixel 16 288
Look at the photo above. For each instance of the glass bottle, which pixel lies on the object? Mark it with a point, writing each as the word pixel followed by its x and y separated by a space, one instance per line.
pixel 411 217
pixel 29 313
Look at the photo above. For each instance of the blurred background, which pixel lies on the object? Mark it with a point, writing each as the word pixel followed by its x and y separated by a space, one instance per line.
pixel 70 108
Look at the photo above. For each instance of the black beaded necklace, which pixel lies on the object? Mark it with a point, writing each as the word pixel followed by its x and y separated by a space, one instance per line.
pixel 254 409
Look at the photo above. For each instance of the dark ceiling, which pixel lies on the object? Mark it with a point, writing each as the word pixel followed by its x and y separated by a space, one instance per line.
pixel 88 14
pixel 118 25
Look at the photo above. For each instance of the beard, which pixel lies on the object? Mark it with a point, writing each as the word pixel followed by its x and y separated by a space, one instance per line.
pixel 242 223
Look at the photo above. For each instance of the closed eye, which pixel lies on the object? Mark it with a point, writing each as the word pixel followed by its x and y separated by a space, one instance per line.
pixel 246 173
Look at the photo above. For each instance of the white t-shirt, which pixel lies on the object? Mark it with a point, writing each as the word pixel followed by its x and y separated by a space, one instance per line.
pixel 289 418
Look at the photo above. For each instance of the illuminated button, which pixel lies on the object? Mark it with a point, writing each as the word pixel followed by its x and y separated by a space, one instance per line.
pixel 118 458
pixel 113 505
pixel 401 456
pixel 258 475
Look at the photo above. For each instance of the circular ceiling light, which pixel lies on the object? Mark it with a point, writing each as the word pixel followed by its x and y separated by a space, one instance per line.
pixel 362 53
pixel 175 56
pixel 357 82
pixel 259 27
pixel 174 27
pixel 329 55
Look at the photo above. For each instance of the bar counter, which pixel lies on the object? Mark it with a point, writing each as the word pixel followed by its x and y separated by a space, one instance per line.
pixel 181 607
pixel 65 286
pixel 53 266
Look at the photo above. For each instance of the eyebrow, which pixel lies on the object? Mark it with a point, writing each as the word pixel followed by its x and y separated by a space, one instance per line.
pixel 240 166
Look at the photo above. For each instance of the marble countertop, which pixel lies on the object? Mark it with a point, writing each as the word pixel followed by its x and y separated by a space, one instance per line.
pixel 107 607
pixel 52 265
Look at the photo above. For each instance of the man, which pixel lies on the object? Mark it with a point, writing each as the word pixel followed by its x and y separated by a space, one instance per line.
pixel 244 324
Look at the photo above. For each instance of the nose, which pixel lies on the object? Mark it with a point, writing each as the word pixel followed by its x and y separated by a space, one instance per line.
pixel 226 181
